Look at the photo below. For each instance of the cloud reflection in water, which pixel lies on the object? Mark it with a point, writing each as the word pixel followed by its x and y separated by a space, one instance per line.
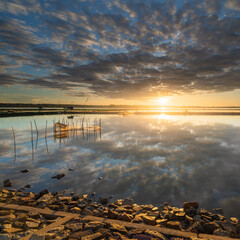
pixel 148 158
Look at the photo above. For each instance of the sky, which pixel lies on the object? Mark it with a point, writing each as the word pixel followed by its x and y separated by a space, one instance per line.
pixel 120 52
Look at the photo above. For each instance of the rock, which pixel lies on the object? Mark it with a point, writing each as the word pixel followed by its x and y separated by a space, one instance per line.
pixel 86 211
pixel 118 228
pixel 210 227
pixel 8 183
pixel 137 219
pixel 112 214
pixel 234 220
pixel 9 217
pixel 174 225
pixel 142 237
pixel 25 170
pixel 155 234
pixel 149 220
pixel 18 224
pixel 105 232
pixel 135 231
pixel 99 178
pixel 148 207
pixel 96 213
pixel 229 227
pixel 221 232
pixel 162 222
pixel 191 211
pixel 74 226
pixel 94 225
pixel 238 228
pixel 94 236
pixel 40 194
pixel 70 169
pixel 127 201
pixel 103 200
pixel 180 215
pixel 37 237
pixel 5 237
pixel 30 224
pixel 6 228
pixel 27 186
pixel 59 176
pixel 5 212
pixel 75 210
pixel 218 211
pixel 187 205
pixel 46 198
pixel 127 217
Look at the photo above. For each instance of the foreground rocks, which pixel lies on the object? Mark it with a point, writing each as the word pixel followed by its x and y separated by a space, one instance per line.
pixel 16 224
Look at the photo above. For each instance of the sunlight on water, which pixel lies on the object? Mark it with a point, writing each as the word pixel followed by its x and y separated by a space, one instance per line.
pixel 151 158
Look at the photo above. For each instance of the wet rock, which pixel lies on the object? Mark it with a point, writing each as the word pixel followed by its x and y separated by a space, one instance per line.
pixel 127 201
pixel 27 186
pixel 174 225
pixel 118 228
pixel 112 214
pixel 103 200
pixel 238 228
pixel 210 227
pixel 234 220
pixel 218 211
pixel 96 213
pixel 148 207
pixel 7 183
pixel 25 170
pixel 59 176
pixel 99 178
pixel 46 198
pixel 70 169
pixel 40 194
pixel 18 224
pixel 187 205
pixel 149 220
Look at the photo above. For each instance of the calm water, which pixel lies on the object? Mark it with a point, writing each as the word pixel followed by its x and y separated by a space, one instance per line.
pixel 152 159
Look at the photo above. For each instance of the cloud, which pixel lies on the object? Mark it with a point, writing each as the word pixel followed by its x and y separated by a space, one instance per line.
pixel 127 49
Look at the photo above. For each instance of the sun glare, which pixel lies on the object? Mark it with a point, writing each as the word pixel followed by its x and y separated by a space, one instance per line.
pixel 162 100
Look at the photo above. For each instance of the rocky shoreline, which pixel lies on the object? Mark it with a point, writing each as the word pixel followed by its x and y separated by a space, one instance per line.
pixel 18 224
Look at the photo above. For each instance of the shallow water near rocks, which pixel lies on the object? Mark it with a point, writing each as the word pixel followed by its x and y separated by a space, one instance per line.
pixel 152 159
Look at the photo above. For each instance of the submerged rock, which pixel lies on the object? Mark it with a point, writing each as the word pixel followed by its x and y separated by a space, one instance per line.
pixel 8 183
pixel 59 176
pixel 25 170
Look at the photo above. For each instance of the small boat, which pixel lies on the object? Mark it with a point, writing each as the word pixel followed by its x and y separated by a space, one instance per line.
pixel 70 117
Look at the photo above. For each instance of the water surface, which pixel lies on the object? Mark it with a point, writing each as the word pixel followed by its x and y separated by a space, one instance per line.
pixel 152 159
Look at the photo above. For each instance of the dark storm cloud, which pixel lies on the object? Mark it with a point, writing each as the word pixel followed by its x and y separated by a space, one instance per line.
pixel 126 48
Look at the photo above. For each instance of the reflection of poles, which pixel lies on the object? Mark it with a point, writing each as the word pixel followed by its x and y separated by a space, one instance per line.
pixel 37 134
pixel 46 137
pixel 14 142
pixel 32 141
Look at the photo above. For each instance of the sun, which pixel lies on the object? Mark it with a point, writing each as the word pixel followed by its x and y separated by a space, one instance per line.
pixel 162 100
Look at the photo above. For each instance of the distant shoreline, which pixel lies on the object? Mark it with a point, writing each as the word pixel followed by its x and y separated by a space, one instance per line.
pixel 188 113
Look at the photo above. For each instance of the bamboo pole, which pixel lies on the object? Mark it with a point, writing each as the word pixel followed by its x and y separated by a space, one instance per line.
pixel 32 141
pixel 14 142
pixel 46 137
pixel 36 126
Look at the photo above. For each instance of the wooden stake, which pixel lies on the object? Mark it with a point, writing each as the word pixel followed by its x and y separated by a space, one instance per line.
pixel 14 142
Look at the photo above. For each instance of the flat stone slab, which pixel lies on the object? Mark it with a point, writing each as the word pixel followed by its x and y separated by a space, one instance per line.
pixel 66 217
